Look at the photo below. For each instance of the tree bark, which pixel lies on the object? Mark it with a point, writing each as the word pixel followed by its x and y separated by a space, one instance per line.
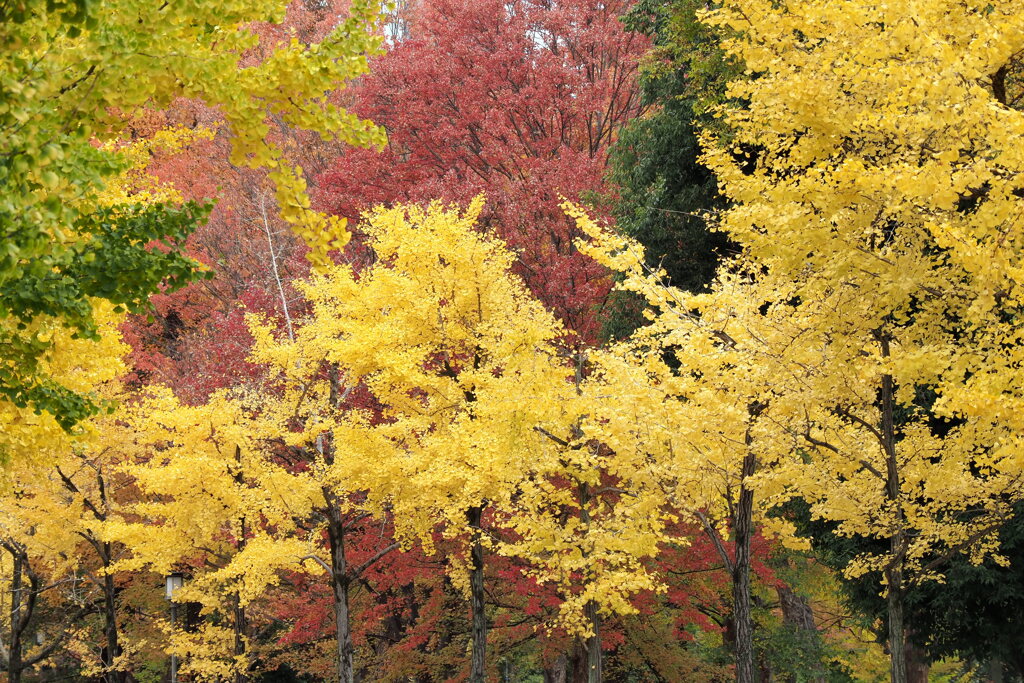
pixel 14 665
pixel 897 542
pixel 798 615
pixel 340 578
pixel 113 647
pixel 917 662
pixel 897 654
pixel 576 662
pixel 556 672
pixel 241 626
pixel 999 84
pixel 595 672
pixel 795 610
pixel 995 670
pixel 476 593
pixel 23 604
pixel 340 584
pixel 584 663
pixel 239 620
pixel 742 618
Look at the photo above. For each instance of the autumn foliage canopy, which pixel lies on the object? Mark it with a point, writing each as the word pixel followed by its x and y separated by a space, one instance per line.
pixel 320 313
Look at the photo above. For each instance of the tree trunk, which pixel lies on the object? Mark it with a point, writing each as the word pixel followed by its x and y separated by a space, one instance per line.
pixel 797 614
pixel 595 671
pixel 239 620
pixel 917 663
pixel 340 578
pixel 795 610
pixel 14 665
pixel 476 594
pixel 241 626
pixel 340 585
pixel 897 654
pixel 584 661
pixel 112 648
pixel 576 662
pixel 592 646
pixel 556 672
pixel 897 542
pixel 742 618
pixel 995 670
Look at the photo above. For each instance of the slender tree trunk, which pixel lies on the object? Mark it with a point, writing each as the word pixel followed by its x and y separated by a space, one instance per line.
pixel 14 665
pixel 105 551
pixel 239 620
pixel 742 618
pixel 897 653
pixel 340 585
pixel 595 672
pixel 476 593
pixel 241 626
pixel 113 647
pixel 592 645
pixel 340 579
pixel 995 670
pixel 897 542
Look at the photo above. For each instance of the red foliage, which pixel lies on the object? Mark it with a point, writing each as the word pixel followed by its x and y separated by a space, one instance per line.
pixel 198 341
pixel 518 100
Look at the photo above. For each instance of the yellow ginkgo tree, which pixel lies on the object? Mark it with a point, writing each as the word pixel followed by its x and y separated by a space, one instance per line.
pixel 475 421
pixel 214 506
pixel 870 329
pixel 58 490
pixel 462 360
pixel 60 487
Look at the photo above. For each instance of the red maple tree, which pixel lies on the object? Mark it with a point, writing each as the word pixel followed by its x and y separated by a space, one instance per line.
pixel 518 100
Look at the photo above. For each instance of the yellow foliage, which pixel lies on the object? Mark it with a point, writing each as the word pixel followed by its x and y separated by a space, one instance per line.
pixel 864 347
pixel 480 409
pixel 80 364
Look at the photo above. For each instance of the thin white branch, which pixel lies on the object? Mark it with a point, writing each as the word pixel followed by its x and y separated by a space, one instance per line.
pixel 273 266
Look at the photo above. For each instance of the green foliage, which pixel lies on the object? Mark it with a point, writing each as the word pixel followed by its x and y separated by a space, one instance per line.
pixel 800 655
pixel 150 671
pixel 978 612
pixel 664 191
pixel 975 613
pixel 687 59
pixel 72 73
pixel 113 259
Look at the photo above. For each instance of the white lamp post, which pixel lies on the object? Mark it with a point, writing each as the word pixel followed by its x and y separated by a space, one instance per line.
pixel 173 582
